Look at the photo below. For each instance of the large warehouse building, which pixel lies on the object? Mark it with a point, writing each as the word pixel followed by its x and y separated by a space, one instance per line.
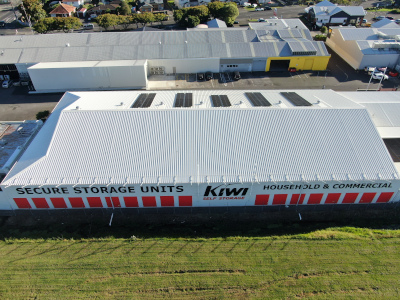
pixel 136 149
pixel 115 61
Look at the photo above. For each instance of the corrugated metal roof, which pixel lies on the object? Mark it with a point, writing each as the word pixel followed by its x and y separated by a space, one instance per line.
pixel 138 45
pixel 296 144
pixel 384 107
pixel 302 46
pixel 354 10
pixel 354 34
pixel 289 33
pixel 216 23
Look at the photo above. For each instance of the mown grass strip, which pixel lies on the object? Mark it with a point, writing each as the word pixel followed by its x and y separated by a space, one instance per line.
pixel 336 262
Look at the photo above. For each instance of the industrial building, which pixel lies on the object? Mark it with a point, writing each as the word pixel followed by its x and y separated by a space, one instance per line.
pixel 115 61
pixel 218 148
pixel 361 47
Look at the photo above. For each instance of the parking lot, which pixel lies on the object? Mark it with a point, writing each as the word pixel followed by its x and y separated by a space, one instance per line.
pixel 339 76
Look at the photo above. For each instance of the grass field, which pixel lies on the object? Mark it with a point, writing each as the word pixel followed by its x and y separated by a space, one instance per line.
pixel 330 263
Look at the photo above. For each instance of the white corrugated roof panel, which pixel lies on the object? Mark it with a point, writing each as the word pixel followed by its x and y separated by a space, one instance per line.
pixel 200 50
pixel 286 144
pixel 118 144
pixel 383 107
pixel 173 51
pixel 100 53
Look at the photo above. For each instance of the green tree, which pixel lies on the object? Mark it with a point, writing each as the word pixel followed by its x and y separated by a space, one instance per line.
pixel 124 21
pixel 124 8
pixel 45 25
pixel 229 13
pixel 179 16
pixel 107 20
pixel 88 6
pixel 201 12
pixel 145 18
pixel 159 18
pixel 32 10
pixel 214 9
pixel 133 19
pixel 42 115
pixel 193 21
pixel 67 24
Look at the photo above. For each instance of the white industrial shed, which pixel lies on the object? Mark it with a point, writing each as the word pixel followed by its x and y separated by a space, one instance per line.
pixel 361 47
pixel 132 56
pixel 203 149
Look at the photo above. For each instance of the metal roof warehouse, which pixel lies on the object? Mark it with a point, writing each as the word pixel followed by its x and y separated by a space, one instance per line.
pixel 204 148
pixel 275 45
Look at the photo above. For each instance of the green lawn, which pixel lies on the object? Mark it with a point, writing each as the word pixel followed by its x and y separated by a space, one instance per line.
pixel 329 263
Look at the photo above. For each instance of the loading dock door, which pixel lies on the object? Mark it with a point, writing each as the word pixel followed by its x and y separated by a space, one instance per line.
pixel 279 65
pixel 259 65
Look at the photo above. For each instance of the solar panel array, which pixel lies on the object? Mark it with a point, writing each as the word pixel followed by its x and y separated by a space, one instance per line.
pixel 143 101
pixel 295 99
pixel 257 99
pixel 184 100
pixel 220 101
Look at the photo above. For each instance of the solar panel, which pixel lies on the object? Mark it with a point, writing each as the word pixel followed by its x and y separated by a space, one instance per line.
pixel 295 99
pixel 139 101
pixel 261 99
pixel 149 100
pixel 225 100
pixel 188 100
pixel 216 101
pixel 179 100
pixel 257 99
pixel 253 99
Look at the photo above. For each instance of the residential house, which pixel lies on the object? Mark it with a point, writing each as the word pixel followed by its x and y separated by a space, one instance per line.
pixel 76 3
pixel 81 13
pixel 63 10
pixel 103 9
pixel 157 4
pixel 326 13
pixel 146 8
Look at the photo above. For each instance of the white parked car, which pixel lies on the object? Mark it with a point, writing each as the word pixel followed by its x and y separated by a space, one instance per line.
pixel 380 76
pixel 397 21
pixel 261 20
pixel 259 9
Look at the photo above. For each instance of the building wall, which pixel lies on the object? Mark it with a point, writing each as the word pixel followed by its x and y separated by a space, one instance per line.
pixel 384 60
pixel 317 63
pixel 66 78
pixel 202 195
pixel 348 50
pixel 194 65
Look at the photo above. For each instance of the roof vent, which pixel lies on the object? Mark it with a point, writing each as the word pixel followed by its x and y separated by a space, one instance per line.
pixel 122 103
pixel 67 45
pixel 185 42
pixel 77 107
pixel 2 52
pixel 159 42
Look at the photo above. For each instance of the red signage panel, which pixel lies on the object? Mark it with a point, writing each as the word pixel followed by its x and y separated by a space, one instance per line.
pixel 22 203
pixel 40 202
pixel 167 200
pixel 279 199
pixel 58 202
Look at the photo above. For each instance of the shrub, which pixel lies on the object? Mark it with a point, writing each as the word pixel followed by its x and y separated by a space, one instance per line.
pixel 41 115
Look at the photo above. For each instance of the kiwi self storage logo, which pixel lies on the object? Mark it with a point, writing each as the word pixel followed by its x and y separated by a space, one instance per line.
pixel 225 192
